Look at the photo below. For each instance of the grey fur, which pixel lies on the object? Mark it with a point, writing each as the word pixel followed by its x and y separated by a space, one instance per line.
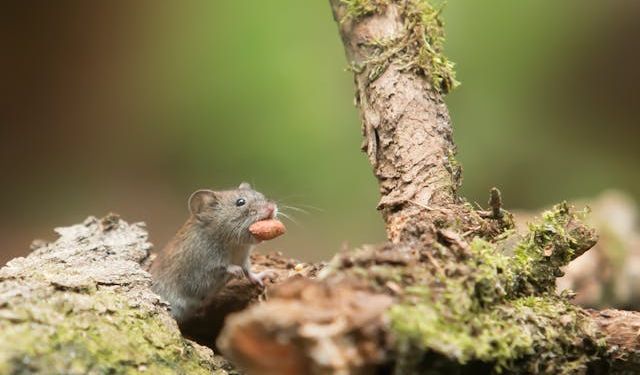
pixel 211 246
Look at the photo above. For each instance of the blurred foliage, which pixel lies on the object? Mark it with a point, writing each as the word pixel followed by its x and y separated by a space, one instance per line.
pixel 130 106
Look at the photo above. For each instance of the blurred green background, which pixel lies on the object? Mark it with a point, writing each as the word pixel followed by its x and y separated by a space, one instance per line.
pixel 129 106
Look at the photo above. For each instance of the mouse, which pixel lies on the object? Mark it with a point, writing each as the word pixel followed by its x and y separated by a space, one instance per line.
pixel 212 246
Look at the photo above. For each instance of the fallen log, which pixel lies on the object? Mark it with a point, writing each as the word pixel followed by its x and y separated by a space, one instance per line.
pixel 82 305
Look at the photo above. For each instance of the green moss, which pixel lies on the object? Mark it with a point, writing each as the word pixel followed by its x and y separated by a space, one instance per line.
pixel 492 304
pixel 102 334
pixel 425 23
pixel 550 244
pixel 419 48
pixel 493 274
pixel 530 335
pixel 357 9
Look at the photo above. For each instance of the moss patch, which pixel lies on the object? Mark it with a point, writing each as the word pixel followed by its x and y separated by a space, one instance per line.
pixel 77 334
pixel 551 243
pixel 357 9
pixel 485 301
pixel 530 334
pixel 419 48
pixel 82 305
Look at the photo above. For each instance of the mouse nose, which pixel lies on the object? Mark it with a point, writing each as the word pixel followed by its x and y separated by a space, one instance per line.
pixel 271 210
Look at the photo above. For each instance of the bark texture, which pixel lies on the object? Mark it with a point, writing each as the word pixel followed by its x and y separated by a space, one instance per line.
pixel 622 333
pixel 82 305
pixel 406 125
pixel 238 294
pixel 456 290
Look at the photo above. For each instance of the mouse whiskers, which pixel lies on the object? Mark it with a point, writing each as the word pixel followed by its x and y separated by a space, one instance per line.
pixel 297 209
pixel 310 207
pixel 288 217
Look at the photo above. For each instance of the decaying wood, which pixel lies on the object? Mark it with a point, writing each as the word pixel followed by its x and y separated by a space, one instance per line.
pixel 310 327
pixel 238 294
pixel 622 333
pixel 82 304
pixel 324 327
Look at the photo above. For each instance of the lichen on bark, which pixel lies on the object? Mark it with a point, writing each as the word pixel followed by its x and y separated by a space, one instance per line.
pixel 82 305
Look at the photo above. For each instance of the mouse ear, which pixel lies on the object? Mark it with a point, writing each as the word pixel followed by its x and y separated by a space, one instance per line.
pixel 244 185
pixel 199 203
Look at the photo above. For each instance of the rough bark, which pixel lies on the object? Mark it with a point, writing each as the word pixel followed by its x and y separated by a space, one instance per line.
pixel 83 305
pixel 406 127
pixel 238 294
pixel 455 290
pixel 622 333
pixel 401 75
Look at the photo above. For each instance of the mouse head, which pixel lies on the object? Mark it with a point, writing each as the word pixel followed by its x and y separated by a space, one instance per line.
pixel 230 213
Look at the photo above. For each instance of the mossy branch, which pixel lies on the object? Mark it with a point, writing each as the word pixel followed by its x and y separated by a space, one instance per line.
pixel 419 47
pixel 455 290
pixel 475 306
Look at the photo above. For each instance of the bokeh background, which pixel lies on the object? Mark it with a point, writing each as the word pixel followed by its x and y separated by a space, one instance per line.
pixel 129 106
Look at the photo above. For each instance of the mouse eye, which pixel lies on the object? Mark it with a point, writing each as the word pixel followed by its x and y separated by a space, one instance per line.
pixel 240 202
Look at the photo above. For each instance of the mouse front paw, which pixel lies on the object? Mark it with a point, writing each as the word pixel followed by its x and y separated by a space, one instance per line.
pixel 257 278
pixel 235 270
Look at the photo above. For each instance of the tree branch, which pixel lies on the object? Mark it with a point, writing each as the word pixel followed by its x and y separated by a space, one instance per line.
pixel 406 126
pixel 455 290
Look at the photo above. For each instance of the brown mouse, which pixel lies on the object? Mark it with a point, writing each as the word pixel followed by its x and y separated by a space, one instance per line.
pixel 211 247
